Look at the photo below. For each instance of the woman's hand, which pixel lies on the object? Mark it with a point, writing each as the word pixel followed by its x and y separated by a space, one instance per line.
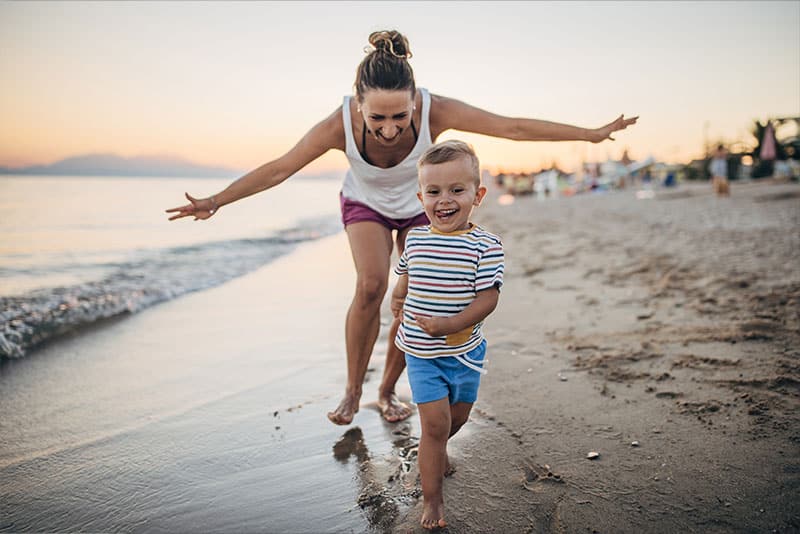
pixel 200 208
pixel 601 134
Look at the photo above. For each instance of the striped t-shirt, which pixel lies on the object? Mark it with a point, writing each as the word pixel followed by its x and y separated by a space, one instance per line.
pixel 445 273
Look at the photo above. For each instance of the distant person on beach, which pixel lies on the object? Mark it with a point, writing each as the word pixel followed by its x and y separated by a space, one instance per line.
pixel 718 168
pixel 383 130
pixel 450 275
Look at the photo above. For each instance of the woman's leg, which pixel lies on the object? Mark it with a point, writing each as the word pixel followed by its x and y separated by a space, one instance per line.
pixel 371 245
pixel 392 409
pixel 435 420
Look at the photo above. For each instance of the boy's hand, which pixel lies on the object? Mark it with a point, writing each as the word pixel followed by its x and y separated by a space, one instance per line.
pixel 435 326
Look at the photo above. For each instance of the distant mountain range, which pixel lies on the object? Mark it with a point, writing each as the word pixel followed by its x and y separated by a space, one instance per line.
pixel 114 165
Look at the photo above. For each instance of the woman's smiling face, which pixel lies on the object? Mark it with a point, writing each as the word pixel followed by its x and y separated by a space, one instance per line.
pixel 387 114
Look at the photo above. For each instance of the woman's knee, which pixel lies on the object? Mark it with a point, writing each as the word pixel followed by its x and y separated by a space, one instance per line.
pixel 371 289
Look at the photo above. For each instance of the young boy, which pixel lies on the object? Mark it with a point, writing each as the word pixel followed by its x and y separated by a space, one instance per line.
pixel 450 277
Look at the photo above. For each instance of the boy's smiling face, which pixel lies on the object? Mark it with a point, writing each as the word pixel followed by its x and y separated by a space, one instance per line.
pixel 448 192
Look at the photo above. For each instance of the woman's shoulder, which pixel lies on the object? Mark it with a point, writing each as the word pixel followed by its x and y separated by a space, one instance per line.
pixel 332 129
pixel 442 111
pixel 442 102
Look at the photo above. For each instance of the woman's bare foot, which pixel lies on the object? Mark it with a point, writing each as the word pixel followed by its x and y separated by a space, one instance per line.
pixel 432 516
pixel 392 409
pixel 347 409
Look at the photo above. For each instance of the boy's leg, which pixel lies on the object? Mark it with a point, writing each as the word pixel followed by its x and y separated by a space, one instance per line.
pixel 459 414
pixel 435 419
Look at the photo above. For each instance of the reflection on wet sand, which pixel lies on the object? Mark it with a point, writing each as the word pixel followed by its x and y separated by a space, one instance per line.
pixel 388 485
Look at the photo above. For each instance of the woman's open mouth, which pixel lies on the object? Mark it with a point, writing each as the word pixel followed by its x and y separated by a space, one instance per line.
pixel 396 136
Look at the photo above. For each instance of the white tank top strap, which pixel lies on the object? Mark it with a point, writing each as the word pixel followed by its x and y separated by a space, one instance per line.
pixel 425 127
pixel 350 143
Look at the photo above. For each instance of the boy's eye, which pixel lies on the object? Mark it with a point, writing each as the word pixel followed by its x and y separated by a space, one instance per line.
pixel 400 116
pixel 376 117
pixel 433 191
pixel 458 189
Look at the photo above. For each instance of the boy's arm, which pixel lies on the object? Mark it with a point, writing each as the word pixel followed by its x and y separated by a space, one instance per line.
pixel 399 295
pixel 479 309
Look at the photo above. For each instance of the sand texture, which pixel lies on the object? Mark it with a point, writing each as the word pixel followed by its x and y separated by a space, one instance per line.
pixel 662 334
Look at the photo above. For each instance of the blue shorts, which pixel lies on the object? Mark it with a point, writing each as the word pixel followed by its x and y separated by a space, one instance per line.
pixel 432 379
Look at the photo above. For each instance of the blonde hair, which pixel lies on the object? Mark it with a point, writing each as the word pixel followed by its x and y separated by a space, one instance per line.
pixel 386 65
pixel 451 150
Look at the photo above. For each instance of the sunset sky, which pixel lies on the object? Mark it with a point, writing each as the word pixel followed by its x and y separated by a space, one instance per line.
pixel 237 84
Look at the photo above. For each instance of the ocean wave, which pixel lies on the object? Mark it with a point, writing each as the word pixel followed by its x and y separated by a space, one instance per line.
pixel 142 279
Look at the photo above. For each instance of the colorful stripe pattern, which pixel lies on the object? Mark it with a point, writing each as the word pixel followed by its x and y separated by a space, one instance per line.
pixel 445 273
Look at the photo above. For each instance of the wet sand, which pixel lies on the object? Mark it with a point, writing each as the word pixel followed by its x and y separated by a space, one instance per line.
pixel 203 414
pixel 672 323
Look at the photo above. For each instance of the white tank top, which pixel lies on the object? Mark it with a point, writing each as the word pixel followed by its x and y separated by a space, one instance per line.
pixel 391 192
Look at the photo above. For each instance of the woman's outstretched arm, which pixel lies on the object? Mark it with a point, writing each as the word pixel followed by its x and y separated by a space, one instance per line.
pixel 451 114
pixel 327 134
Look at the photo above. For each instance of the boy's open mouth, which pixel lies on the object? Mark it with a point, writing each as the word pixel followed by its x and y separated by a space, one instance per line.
pixel 446 214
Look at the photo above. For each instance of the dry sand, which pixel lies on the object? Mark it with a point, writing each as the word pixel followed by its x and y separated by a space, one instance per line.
pixel 662 334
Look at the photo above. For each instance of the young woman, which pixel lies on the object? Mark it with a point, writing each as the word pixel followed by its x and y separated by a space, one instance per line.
pixel 383 130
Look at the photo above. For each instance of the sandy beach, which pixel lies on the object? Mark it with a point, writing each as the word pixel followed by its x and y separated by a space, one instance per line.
pixel 661 333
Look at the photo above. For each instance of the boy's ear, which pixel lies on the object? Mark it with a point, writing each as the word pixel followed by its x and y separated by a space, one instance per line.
pixel 419 195
pixel 479 194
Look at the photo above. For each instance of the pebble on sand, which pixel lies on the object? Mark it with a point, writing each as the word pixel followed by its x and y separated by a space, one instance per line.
pixel 593 455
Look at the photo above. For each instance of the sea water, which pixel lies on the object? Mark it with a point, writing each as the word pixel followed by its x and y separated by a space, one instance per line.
pixel 78 250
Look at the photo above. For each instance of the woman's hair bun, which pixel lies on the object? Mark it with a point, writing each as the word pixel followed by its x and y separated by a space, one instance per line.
pixel 390 42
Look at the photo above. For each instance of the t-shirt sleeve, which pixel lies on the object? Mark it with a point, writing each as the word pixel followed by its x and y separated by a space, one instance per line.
pixel 490 268
pixel 402 265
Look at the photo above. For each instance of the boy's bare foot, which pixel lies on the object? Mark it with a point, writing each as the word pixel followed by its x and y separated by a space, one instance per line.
pixel 347 409
pixel 392 409
pixel 433 516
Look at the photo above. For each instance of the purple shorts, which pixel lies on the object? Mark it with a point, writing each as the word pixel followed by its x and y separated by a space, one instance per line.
pixel 353 212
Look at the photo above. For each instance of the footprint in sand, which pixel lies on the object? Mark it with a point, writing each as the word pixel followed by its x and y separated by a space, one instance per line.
pixel 668 395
